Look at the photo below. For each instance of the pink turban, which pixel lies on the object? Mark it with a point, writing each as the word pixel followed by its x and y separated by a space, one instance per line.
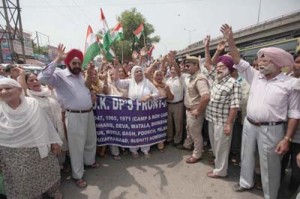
pixel 227 61
pixel 72 54
pixel 279 57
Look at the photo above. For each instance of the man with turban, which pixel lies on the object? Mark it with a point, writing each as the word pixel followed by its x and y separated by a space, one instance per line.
pixel 221 112
pixel 76 99
pixel 272 102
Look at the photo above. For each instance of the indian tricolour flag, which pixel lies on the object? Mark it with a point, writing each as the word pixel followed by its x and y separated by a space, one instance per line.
pixel 117 33
pixel 138 32
pixel 92 48
pixel 107 40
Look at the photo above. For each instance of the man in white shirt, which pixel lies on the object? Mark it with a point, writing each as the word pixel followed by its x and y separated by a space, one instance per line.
pixel 272 101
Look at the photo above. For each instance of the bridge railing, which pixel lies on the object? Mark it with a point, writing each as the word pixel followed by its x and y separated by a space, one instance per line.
pixel 240 31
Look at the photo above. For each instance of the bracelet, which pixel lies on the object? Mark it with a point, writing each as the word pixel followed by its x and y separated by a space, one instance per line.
pixel 288 139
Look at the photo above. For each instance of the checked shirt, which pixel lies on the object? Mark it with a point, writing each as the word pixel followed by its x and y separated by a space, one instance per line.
pixel 225 94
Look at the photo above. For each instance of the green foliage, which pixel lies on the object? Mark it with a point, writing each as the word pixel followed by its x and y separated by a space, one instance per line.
pixel 43 50
pixel 124 46
pixel 130 20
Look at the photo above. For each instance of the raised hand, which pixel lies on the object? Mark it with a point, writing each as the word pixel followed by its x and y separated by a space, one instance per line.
pixel 227 31
pixel 61 55
pixel 221 45
pixel 135 55
pixel 206 41
pixel 144 52
pixel 90 68
pixel 171 56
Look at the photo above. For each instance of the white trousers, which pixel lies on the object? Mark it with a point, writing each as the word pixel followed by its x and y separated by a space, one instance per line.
pixel 114 150
pixel 220 144
pixel 82 141
pixel 266 138
pixel 144 149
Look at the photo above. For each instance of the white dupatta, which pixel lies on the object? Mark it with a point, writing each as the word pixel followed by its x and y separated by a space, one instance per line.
pixel 26 126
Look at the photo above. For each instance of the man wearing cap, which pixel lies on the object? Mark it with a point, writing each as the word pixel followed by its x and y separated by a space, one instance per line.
pixel 76 99
pixel 196 98
pixel 272 101
pixel 221 112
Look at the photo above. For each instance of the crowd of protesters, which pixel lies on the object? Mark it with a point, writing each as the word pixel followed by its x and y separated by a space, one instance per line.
pixel 251 113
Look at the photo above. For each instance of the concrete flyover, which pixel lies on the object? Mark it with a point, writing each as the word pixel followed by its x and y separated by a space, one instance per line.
pixel 279 29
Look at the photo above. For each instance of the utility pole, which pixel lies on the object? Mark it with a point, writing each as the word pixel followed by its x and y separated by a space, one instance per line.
pixel 37 40
pixel 12 30
pixel 190 33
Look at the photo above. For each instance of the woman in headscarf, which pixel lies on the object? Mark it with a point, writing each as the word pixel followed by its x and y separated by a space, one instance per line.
pixel 164 92
pixel 139 88
pixel 48 101
pixel 28 145
pixel 96 86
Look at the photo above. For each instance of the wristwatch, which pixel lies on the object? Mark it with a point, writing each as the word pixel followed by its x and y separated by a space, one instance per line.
pixel 288 139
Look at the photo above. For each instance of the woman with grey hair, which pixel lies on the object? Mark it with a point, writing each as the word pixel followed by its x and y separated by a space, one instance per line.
pixel 29 144
pixel 139 88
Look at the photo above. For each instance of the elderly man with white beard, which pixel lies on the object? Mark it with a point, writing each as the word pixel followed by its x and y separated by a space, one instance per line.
pixel 272 101
pixel 221 112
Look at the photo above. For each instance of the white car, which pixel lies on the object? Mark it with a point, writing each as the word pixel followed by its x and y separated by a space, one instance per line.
pixel 32 68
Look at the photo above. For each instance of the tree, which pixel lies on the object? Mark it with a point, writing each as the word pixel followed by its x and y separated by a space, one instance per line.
pixel 130 20
pixel 43 50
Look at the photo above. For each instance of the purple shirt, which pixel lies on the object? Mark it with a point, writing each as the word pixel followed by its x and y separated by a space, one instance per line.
pixel 71 89
pixel 270 100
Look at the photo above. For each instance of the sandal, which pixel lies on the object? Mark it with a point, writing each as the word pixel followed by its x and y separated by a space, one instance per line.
pixel 117 157
pixel 80 183
pixel 161 145
pixel 147 155
pixel 94 166
pixel 58 195
pixel 211 174
pixel 135 155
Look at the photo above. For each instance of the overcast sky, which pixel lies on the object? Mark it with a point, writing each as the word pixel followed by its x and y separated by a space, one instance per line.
pixel 176 21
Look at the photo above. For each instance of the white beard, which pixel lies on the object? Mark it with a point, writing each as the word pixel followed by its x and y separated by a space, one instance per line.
pixel 224 73
pixel 266 70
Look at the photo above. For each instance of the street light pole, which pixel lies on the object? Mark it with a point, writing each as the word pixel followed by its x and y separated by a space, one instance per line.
pixel 259 7
pixel 190 33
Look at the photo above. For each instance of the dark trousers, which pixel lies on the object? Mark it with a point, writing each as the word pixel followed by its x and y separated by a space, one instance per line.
pixel 291 156
pixel 236 141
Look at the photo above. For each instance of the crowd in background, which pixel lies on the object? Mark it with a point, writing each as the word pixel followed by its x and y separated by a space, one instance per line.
pixel 245 114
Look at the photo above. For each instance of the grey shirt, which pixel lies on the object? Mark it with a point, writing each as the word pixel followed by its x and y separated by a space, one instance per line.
pixel 71 89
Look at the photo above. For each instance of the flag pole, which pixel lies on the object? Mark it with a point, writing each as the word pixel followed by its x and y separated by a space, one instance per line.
pixel 144 39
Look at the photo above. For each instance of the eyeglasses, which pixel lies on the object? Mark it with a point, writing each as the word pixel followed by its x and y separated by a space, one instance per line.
pixel 75 63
